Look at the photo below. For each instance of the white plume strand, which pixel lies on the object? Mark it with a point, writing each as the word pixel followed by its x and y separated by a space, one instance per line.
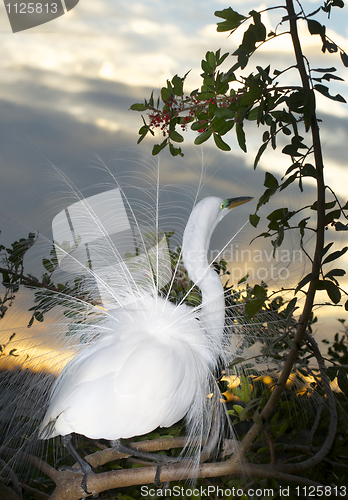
pixel 138 360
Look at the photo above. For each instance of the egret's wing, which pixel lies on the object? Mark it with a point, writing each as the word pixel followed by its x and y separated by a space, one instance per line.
pixel 123 388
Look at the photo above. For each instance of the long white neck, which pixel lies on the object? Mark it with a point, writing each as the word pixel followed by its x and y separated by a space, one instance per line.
pixel 194 251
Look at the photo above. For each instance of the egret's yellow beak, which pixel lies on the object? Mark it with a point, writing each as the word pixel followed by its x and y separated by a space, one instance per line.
pixel 234 202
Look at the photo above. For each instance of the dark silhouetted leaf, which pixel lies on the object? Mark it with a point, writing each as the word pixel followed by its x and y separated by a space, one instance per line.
pixel 304 282
pixel 254 219
pixel 270 181
pixel 241 137
pixel 344 58
pixel 335 255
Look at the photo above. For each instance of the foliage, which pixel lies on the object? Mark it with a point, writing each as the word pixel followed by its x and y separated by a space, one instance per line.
pixel 298 424
pixel 12 260
pixel 227 99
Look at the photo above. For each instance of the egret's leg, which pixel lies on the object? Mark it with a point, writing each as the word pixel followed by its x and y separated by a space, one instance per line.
pixel 121 448
pixel 85 468
pixel 159 459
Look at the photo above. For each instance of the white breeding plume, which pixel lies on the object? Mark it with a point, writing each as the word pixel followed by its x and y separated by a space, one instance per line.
pixel 173 348
pixel 136 356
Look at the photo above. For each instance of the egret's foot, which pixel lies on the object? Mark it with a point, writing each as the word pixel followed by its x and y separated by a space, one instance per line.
pixel 157 481
pixel 84 468
pixel 160 459
pixel 86 471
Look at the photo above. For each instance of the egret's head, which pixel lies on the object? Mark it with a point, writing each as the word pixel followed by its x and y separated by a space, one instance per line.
pixel 230 203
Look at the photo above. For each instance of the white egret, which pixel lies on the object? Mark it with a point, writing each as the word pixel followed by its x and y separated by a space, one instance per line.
pixel 154 364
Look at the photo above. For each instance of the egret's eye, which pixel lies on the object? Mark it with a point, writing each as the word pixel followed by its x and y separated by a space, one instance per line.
pixel 222 206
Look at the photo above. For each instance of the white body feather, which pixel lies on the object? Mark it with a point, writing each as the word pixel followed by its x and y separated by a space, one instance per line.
pixel 155 363
pixel 141 375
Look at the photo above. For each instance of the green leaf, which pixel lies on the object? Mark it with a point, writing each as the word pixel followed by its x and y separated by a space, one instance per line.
pixel 197 125
pixel 158 147
pixel 175 136
pixel 344 58
pixel 341 227
pixel 328 205
pixel 291 307
pixel 326 249
pixel 335 272
pixel 238 409
pixel 220 143
pixel 259 154
pixel 342 381
pixel 325 70
pixel 241 137
pixel 257 419
pixel 288 181
pixel 204 136
pixel 236 361
pixel 253 306
pixel 329 76
pixel 210 57
pixel 270 181
pixel 222 126
pixel 254 219
pixel 224 113
pixel 48 265
pixel 325 91
pixel 243 391
pixel 316 28
pixel 335 255
pixel 178 85
pixel 265 136
pixel 304 282
pixel 309 170
pixel 166 93
pixel 220 60
pixel 138 107
pixel 233 19
pixel 249 41
pixel 253 114
pixel 331 289
pixel 204 96
pixel 259 29
pixel 39 316
pixel 264 198
pixel 175 151
pixel 335 214
pixel 229 76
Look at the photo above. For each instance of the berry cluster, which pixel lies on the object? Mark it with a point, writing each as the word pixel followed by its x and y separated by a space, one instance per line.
pixel 173 107
pixel 160 120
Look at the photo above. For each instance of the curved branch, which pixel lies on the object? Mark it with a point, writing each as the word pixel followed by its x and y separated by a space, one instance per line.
pixel 71 489
pixel 31 459
pixel 11 475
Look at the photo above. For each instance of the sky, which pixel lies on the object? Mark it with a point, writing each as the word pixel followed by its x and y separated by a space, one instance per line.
pixel 66 88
